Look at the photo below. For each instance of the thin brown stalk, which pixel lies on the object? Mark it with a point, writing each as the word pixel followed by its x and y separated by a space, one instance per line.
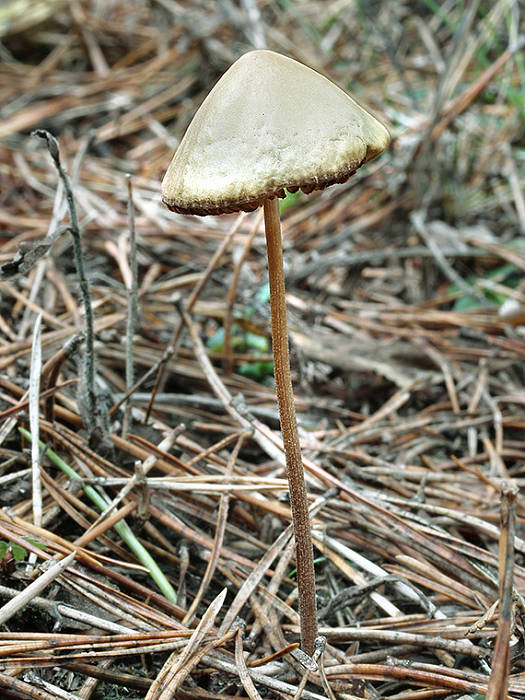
pixel 499 677
pixel 292 449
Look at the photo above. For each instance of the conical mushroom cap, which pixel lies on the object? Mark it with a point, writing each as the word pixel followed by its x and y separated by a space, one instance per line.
pixel 269 123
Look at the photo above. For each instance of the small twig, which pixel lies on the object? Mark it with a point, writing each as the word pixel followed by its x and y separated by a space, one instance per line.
pixel 34 422
pixel 42 582
pixel 52 369
pixel 19 689
pixel 132 301
pixel 499 677
pixel 254 28
pixel 224 395
pixel 24 401
pixel 91 404
pixel 391 637
pixel 463 100
pixel 320 648
pixel 143 495
pixel 280 572
pixel 240 662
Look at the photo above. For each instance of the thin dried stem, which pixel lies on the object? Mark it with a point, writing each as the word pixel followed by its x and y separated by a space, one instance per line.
pixel 91 399
pixel 292 448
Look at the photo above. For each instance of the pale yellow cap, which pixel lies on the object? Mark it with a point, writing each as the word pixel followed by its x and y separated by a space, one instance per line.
pixel 270 123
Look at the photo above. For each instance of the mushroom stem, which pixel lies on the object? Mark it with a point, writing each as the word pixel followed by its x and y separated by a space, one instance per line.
pixel 292 449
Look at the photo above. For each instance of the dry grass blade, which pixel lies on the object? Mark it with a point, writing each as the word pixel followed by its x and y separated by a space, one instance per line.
pixel 34 414
pixel 40 584
pixel 222 518
pixel 13 687
pixel 178 667
pixel 244 674
pixel 499 678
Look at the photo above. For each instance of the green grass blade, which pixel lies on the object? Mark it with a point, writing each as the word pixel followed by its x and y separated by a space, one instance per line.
pixel 121 527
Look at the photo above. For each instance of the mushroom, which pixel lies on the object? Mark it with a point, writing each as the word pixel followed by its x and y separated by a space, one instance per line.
pixel 272 124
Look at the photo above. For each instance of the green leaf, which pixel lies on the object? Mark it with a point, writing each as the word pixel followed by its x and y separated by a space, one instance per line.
pixel 291 199
pixel 18 552
pixel 216 341
pixel 318 560
pixel 262 295
pixel 507 275
pixel 254 341
pixel 257 370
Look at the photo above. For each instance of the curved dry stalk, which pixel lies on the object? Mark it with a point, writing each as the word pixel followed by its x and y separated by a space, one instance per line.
pixel 292 448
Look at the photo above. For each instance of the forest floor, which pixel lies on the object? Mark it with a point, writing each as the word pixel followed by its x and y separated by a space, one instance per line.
pixel 166 482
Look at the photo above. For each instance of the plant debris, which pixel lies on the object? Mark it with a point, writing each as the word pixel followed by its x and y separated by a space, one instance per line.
pixel 145 533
